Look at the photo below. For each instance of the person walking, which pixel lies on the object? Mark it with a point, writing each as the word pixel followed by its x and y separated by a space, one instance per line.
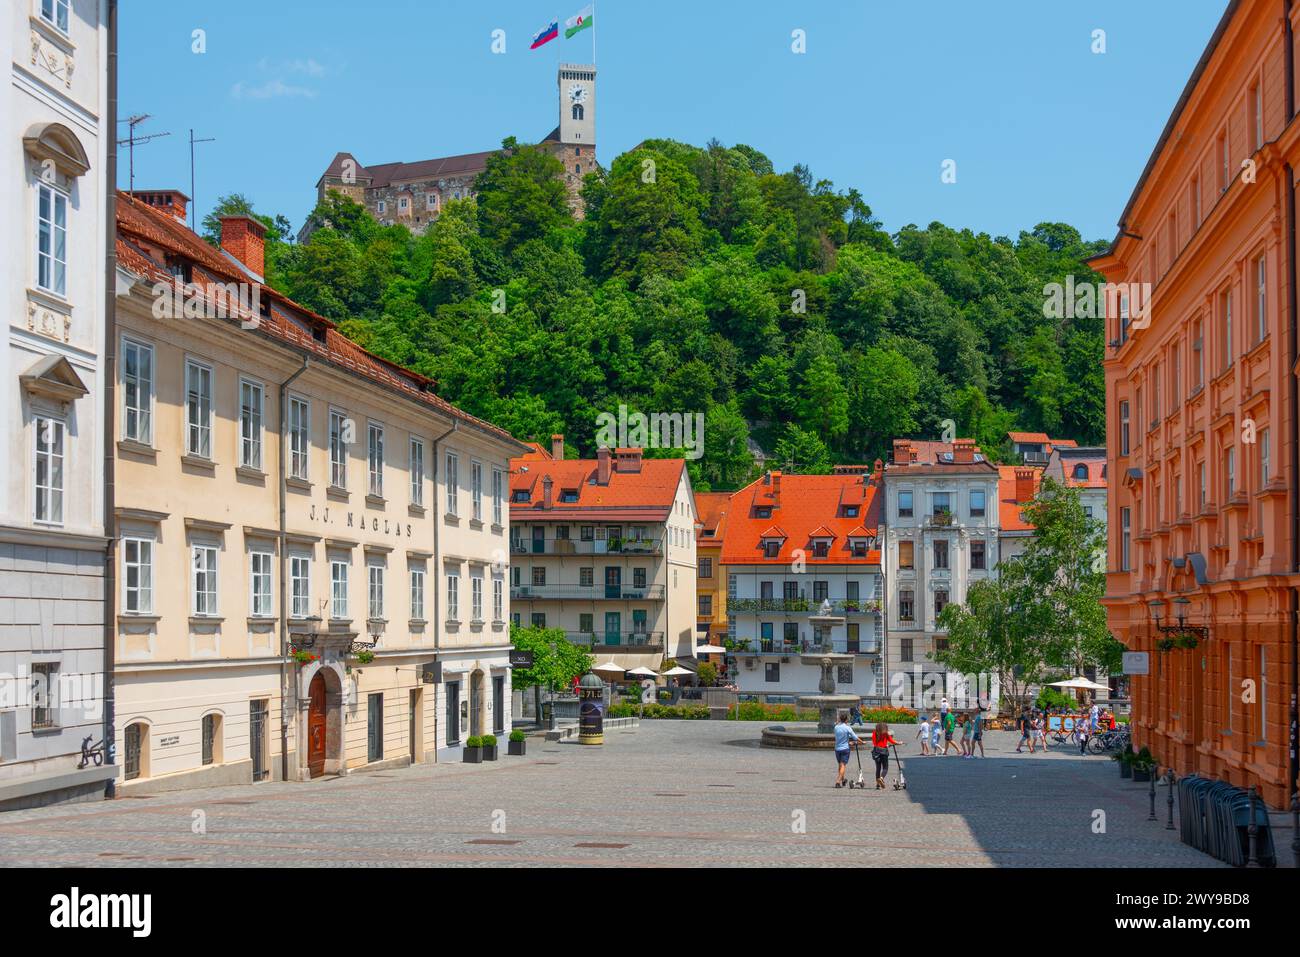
pixel 1084 729
pixel 936 731
pixel 949 729
pixel 845 739
pixel 881 739
pixel 924 734
pixel 1026 728
pixel 977 732
pixel 1040 729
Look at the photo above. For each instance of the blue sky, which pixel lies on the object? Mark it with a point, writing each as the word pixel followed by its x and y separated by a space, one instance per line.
pixel 1040 127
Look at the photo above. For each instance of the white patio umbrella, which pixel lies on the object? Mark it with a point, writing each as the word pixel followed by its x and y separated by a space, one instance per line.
pixel 677 671
pixel 609 668
pixel 644 672
pixel 709 650
pixel 1078 681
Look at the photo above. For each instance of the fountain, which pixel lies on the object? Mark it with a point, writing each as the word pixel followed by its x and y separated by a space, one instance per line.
pixel 828 704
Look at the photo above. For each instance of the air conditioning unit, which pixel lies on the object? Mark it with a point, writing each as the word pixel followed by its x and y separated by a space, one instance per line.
pixel 750 663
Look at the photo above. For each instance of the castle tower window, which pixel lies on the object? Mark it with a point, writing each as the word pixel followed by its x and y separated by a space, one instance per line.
pixel 577 111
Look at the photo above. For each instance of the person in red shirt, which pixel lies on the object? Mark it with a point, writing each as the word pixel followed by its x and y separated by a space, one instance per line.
pixel 881 739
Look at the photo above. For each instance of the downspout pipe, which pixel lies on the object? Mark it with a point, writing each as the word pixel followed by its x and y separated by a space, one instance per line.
pixel 110 403
pixel 437 575
pixel 284 565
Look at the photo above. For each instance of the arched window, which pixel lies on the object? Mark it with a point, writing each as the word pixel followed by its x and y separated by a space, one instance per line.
pixel 136 739
pixel 577 111
pixel 1081 472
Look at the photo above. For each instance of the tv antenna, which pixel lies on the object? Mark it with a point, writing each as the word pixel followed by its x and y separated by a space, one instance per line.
pixel 132 139
pixel 194 202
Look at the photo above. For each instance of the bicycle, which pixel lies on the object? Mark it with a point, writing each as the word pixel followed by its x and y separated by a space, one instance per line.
pixel 1108 741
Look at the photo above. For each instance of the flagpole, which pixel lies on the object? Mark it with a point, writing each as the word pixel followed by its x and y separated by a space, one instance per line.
pixel 593 32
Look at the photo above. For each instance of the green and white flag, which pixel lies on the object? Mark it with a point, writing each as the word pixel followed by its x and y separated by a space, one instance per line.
pixel 579 21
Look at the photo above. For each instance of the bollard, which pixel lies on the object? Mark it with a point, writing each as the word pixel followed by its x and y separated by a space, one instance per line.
pixel 1170 779
pixel 1152 815
pixel 1253 830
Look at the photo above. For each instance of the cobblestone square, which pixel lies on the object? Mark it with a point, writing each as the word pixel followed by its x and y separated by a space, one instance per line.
pixel 667 793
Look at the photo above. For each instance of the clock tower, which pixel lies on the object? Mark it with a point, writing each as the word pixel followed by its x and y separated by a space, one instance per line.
pixel 577 86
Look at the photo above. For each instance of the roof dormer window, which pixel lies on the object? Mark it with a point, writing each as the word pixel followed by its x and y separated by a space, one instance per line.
pixel 520 495
pixel 850 511
pixel 763 511
pixel 569 495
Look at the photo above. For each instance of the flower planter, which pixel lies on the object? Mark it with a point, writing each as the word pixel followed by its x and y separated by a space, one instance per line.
pixel 1141 775
pixel 489 752
pixel 517 747
pixel 1125 769
pixel 473 756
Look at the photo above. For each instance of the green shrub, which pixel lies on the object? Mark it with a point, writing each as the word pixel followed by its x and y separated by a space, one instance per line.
pixel 473 741
pixel 708 674
pixel 518 735
pixel 489 740
pixel 690 712
pixel 1049 698
pixel 889 716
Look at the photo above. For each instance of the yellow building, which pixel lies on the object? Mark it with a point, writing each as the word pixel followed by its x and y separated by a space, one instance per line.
pixel 711 578
pixel 291 608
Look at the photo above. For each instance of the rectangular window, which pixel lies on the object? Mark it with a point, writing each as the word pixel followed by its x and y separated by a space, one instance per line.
pixel 453 484
pixel 453 597
pixel 1261 300
pixel 586 576
pixel 1175 374
pixel 259 582
pixel 417 472
pixel 137 392
pixel 906 605
pixel 706 567
pixel 476 490
pixel 1225 176
pixel 1264 466
pixel 906 554
pixel 1203 490
pixel 300 586
pixel 476 598
pixel 375 592
pixel 299 436
pixel 498 600
pixel 539 576
pixel 821 591
pixel 50 434
pixel 905 649
pixel 498 484
pixel 1230 471
pixel 250 424
pixel 1225 317
pixel 137 574
pixel 203 566
pixel 417 594
pixel 977 503
pixel 977 555
pixel 340 439
pixel 1125 529
pixel 198 410
pixel 942 503
pixel 772 671
pixel 1198 351
pixel 55 12
pixel 1256 118
pixel 1123 427
pixel 375 458
pixel 941 554
pixel 940 601
pixel 45 704
pixel 705 606
pixel 339 589
pixel 904 503
pixel 52 239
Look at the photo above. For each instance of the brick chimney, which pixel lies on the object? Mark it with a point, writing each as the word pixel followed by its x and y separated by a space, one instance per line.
pixel 963 451
pixel 628 460
pixel 1024 485
pixel 602 465
pixel 547 488
pixel 170 201
pixel 776 487
pixel 245 238
pixel 557 446
pixel 902 448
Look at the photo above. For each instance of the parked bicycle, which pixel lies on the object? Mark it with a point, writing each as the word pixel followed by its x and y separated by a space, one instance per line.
pixel 1116 740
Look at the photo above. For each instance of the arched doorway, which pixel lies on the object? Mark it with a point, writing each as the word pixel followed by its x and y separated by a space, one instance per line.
pixel 317 725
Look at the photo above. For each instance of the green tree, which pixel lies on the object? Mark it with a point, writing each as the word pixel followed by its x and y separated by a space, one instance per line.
pixel 801 451
pixel 556 660
pixel 824 401
pixel 521 195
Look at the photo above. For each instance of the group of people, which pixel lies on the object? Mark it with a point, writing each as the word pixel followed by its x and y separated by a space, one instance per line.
pixel 1032 725
pixel 846 739
pixel 964 731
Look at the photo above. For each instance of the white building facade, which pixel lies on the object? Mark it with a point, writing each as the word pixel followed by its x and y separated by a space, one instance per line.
pixel 52 537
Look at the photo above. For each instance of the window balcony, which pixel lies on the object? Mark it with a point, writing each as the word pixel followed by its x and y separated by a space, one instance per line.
pixel 625 641
pixel 807 646
pixel 572 546
pixel 587 592
pixel 806 606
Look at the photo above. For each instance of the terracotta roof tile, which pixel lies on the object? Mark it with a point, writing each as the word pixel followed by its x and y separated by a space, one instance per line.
pixel 806 504
pixel 650 490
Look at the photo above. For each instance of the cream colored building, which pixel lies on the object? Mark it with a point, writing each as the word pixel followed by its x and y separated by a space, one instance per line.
pixel 331 602
pixel 605 550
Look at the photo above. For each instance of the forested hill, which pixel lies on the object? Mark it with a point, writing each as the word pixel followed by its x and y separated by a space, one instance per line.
pixel 702 280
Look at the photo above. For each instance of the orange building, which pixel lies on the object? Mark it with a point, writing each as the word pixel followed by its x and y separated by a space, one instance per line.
pixel 1201 412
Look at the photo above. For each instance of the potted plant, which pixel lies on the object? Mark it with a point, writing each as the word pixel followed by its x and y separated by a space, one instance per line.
pixel 518 742
pixel 1125 761
pixel 489 747
pixel 473 753
pixel 1143 764
pixel 302 656
pixel 364 656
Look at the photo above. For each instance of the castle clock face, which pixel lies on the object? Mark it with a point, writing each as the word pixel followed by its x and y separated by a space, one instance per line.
pixel 578 94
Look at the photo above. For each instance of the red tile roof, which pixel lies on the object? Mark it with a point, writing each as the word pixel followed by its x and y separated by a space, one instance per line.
pixel 806 504
pixel 1030 437
pixel 712 509
pixel 1010 511
pixel 645 495
pixel 148 238
pixel 1093 461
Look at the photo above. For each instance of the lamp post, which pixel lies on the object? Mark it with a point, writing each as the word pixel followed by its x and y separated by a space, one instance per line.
pixel 1201 632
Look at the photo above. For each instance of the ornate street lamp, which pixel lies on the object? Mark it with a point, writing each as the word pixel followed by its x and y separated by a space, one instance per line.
pixel 1181 635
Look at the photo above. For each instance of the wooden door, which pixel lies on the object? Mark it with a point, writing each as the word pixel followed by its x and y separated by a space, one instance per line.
pixel 316 727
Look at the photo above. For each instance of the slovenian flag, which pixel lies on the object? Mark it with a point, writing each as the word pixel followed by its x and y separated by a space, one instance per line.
pixel 546 34
pixel 580 21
